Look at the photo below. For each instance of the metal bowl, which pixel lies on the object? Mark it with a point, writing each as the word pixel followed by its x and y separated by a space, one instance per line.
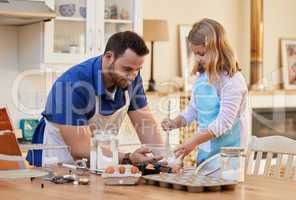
pixel 160 150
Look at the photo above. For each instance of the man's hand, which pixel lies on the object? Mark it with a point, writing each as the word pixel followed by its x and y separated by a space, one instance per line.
pixel 145 126
pixel 139 156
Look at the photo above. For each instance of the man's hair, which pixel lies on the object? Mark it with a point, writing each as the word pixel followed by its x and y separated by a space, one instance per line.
pixel 121 41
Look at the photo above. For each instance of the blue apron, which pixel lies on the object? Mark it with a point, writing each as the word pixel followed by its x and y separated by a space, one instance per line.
pixel 34 157
pixel 207 103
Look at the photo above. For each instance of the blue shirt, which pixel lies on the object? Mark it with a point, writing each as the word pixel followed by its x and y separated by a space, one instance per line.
pixel 72 98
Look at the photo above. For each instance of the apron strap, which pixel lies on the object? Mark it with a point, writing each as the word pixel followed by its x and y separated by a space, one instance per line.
pixel 34 157
pixel 98 101
pixel 97 104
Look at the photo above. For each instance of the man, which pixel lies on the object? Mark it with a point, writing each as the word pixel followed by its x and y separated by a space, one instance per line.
pixel 95 96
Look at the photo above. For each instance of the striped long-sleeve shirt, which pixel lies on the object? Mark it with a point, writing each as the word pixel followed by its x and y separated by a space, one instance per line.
pixel 233 95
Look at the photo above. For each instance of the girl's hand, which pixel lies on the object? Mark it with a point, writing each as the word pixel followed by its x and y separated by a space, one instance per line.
pixel 190 144
pixel 168 124
pixel 186 148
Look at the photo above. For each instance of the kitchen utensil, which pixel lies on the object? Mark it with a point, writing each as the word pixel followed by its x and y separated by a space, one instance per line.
pixel 167 141
pixel 209 166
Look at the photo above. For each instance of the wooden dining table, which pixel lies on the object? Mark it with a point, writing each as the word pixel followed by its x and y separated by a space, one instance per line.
pixel 254 188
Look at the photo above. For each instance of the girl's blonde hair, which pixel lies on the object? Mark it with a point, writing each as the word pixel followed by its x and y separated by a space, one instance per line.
pixel 212 35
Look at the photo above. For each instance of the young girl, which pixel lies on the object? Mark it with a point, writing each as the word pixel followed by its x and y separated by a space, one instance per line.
pixel 218 100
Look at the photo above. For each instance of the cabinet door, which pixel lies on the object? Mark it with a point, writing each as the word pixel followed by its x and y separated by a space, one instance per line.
pixel 115 16
pixel 69 37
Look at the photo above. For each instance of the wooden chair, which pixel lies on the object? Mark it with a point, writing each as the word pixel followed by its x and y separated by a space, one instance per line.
pixel 5 121
pixel 8 142
pixel 272 156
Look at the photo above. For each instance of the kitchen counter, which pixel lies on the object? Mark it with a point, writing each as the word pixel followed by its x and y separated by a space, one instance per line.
pixel 254 188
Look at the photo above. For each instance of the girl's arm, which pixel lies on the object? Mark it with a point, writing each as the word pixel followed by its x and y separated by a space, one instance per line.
pixel 171 124
pixel 190 144
pixel 232 94
pixel 183 119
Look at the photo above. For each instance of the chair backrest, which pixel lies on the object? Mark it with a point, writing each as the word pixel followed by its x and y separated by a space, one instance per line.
pixel 9 147
pixel 5 122
pixel 8 142
pixel 271 156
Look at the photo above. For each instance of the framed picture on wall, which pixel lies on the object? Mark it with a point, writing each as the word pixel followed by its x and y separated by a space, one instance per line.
pixel 288 61
pixel 187 57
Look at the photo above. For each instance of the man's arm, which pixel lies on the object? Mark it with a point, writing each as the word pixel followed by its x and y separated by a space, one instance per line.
pixel 78 139
pixel 145 125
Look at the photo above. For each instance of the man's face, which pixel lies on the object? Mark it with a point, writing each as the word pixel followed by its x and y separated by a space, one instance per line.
pixel 125 68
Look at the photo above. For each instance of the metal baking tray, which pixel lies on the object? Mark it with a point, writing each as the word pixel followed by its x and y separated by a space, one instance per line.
pixel 190 182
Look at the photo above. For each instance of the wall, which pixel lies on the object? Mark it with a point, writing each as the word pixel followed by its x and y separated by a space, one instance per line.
pixel 233 14
pixel 279 17
pixel 9 72
pixel 279 22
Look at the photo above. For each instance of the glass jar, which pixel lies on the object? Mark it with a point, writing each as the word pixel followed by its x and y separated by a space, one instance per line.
pixel 104 150
pixel 233 163
pixel 107 151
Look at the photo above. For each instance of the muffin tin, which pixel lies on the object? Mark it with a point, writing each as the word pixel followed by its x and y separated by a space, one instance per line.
pixel 190 182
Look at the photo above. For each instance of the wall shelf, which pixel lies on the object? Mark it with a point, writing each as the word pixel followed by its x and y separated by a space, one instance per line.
pixel 118 21
pixel 75 19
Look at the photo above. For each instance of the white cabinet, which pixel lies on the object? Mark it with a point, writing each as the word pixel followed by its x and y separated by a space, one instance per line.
pixel 119 15
pixel 70 37
pixel 82 27
pixel 79 31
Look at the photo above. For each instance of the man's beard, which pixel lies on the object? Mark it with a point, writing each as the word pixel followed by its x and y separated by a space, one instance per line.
pixel 115 78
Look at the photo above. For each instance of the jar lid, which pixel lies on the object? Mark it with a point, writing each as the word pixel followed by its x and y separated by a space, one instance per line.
pixel 232 150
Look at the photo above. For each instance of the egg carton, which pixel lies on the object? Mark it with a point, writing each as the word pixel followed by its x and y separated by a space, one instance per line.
pixel 190 183
pixel 126 178
pixel 121 179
